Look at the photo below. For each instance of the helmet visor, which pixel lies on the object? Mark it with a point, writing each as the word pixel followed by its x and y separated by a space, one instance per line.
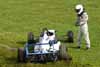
pixel 77 10
pixel 49 33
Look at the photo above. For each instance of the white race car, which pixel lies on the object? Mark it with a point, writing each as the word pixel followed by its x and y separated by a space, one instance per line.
pixel 46 49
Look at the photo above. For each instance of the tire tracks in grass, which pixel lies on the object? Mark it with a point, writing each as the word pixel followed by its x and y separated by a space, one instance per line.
pixel 8 47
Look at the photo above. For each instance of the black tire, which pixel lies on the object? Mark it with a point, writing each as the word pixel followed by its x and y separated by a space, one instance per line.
pixel 63 53
pixel 20 55
pixel 70 36
pixel 30 38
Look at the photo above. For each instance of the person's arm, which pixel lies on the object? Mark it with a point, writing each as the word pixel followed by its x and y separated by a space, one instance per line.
pixel 77 23
pixel 83 19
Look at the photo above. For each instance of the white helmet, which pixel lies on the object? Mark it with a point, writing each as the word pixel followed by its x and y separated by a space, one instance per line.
pixel 79 8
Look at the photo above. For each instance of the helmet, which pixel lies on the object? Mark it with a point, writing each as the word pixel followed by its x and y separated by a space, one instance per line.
pixel 79 8
pixel 51 32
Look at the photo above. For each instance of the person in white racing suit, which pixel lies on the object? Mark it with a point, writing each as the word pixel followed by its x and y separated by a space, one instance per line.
pixel 82 18
pixel 48 41
pixel 43 36
pixel 54 44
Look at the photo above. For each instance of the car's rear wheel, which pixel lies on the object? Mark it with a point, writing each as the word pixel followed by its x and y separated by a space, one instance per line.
pixel 63 54
pixel 20 55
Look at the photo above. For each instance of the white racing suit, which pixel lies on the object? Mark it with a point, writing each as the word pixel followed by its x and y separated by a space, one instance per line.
pixel 83 29
pixel 54 44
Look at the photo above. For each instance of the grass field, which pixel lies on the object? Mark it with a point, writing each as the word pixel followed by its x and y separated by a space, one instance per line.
pixel 18 17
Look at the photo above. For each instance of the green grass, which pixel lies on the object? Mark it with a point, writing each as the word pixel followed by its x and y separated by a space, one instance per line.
pixel 17 17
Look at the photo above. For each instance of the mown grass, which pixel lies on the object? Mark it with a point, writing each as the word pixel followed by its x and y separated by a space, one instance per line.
pixel 17 17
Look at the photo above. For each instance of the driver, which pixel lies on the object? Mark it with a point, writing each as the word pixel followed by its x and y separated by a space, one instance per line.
pixel 51 37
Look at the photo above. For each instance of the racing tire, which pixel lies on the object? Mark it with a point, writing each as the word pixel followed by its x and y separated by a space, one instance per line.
pixel 30 38
pixel 20 55
pixel 63 53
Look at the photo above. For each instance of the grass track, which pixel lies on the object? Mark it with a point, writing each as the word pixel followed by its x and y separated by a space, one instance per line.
pixel 17 17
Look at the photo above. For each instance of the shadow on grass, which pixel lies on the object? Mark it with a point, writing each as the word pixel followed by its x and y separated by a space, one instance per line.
pixel 73 47
pixel 11 60
pixel 64 39
pixel 21 42
pixel 81 48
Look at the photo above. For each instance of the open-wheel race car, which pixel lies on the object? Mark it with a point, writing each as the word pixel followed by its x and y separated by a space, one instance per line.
pixel 47 48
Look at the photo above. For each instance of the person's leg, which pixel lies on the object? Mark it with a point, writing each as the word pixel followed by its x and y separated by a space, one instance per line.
pixel 87 41
pixel 86 36
pixel 79 38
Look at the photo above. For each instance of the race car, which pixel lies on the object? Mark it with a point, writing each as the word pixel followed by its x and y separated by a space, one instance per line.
pixel 47 48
